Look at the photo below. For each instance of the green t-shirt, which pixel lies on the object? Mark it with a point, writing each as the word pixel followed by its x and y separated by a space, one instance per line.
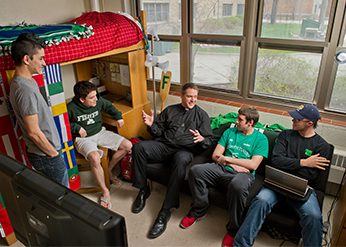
pixel 238 145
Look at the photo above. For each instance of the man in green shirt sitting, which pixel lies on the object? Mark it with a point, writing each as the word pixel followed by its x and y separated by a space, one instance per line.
pixel 84 112
pixel 237 155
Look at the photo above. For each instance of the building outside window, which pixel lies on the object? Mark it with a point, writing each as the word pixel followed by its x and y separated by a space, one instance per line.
pixel 226 9
pixel 283 61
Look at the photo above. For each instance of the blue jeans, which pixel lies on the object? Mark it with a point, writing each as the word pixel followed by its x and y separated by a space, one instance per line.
pixel 309 213
pixel 53 167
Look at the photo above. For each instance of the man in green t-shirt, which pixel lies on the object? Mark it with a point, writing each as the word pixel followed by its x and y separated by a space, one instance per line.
pixel 237 155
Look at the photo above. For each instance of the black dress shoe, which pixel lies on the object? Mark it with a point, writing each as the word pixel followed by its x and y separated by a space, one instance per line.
pixel 139 203
pixel 160 224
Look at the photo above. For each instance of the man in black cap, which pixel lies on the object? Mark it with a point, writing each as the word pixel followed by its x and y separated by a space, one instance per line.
pixel 301 152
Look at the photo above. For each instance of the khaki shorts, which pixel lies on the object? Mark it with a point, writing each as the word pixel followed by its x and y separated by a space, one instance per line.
pixel 104 138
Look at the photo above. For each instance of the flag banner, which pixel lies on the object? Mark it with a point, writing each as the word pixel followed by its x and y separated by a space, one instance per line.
pixel 9 76
pixel 59 109
pixel 2 204
pixel 4 82
pixel 52 73
pixel 69 154
pixel 57 99
pixel 74 178
pixel 39 80
pixel 8 139
pixel 5 222
pixel 55 88
pixel 44 94
pixel 63 125
pixel 3 106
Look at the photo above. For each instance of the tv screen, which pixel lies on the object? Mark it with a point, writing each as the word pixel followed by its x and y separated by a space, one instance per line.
pixel 43 212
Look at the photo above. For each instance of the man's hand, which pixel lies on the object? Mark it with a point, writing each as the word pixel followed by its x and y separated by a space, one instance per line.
pixel 148 119
pixel 239 168
pixel 222 160
pixel 315 161
pixel 120 123
pixel 197 137
pixel 82 132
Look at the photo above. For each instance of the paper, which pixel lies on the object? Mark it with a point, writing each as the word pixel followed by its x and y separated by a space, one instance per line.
pixel 124 75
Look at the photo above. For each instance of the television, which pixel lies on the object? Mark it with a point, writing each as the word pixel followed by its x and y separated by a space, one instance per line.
pixel 44 213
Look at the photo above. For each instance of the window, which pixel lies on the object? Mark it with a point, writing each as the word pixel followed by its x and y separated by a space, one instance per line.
pixel 226 9
pixel 287 74
pixel 157 11
pixel 240 9
pixel 167 51
pixel 163 16
pixel 215 66
pixel 338 99
pixel 295 20
pixel 272 53
pixel 209 18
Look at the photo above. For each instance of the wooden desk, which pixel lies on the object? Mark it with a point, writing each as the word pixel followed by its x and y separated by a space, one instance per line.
pixel 134 125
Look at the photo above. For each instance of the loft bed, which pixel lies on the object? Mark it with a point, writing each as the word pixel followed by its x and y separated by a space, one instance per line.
pixel 106 36
pixel 91 34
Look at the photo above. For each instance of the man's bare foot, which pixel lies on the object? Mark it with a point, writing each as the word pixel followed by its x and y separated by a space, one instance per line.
pixel 115 181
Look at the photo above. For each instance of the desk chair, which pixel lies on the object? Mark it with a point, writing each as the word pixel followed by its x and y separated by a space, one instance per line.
pixel 83 165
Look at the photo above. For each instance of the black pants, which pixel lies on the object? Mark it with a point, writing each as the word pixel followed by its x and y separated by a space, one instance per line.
pixel 237 183
pixel 154 151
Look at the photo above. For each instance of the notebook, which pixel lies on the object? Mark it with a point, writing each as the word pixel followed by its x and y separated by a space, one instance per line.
pixel 286 181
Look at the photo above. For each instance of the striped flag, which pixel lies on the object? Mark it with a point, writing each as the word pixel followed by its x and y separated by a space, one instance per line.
pixel 63 124
pixel 52 73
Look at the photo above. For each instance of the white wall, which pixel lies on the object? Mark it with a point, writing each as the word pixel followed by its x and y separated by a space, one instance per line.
pixel 39 12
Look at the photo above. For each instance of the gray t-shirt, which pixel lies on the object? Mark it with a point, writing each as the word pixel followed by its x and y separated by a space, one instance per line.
pixel 26 99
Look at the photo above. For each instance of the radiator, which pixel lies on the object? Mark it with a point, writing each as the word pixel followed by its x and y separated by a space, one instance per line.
pixel 338 166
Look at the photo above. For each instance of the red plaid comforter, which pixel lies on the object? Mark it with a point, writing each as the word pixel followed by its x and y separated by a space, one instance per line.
pixel 111 31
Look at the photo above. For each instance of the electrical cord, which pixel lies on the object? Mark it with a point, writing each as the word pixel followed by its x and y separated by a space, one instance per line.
pixel 326 224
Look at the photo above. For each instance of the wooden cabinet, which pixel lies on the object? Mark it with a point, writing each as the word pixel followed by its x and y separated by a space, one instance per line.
pixel 131 107
pixel 339 220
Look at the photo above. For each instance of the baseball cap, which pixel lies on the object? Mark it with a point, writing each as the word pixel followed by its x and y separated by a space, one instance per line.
pixel 307 111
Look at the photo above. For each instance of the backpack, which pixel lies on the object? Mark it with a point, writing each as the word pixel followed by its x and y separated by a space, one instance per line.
pixel 126 163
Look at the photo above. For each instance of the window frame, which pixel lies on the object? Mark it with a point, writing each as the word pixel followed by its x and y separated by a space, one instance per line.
pixel 249 44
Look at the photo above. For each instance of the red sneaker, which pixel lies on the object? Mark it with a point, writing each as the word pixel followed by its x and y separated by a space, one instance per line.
pixel 227 240
pixel 188 221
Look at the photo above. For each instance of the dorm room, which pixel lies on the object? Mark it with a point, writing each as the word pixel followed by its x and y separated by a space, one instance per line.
pixel 237 55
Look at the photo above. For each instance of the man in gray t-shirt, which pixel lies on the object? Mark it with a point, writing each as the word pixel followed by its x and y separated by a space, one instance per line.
pixel 33 114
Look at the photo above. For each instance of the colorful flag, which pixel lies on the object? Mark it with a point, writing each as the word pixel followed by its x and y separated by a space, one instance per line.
pixel 52 73
pixel 8 140
pixel 55 88
pixel 69 154
pixel 63 124
pixel 74 178
pixel 57 99
pixel 3 106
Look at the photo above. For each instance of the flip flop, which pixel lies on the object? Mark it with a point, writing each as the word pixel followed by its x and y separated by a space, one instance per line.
pixel 105 202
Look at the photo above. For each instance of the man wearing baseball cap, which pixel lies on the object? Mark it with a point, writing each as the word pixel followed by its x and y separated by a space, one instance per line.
pixel 301 152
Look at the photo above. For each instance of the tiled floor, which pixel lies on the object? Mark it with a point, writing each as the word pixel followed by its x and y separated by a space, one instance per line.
pixel 208 232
